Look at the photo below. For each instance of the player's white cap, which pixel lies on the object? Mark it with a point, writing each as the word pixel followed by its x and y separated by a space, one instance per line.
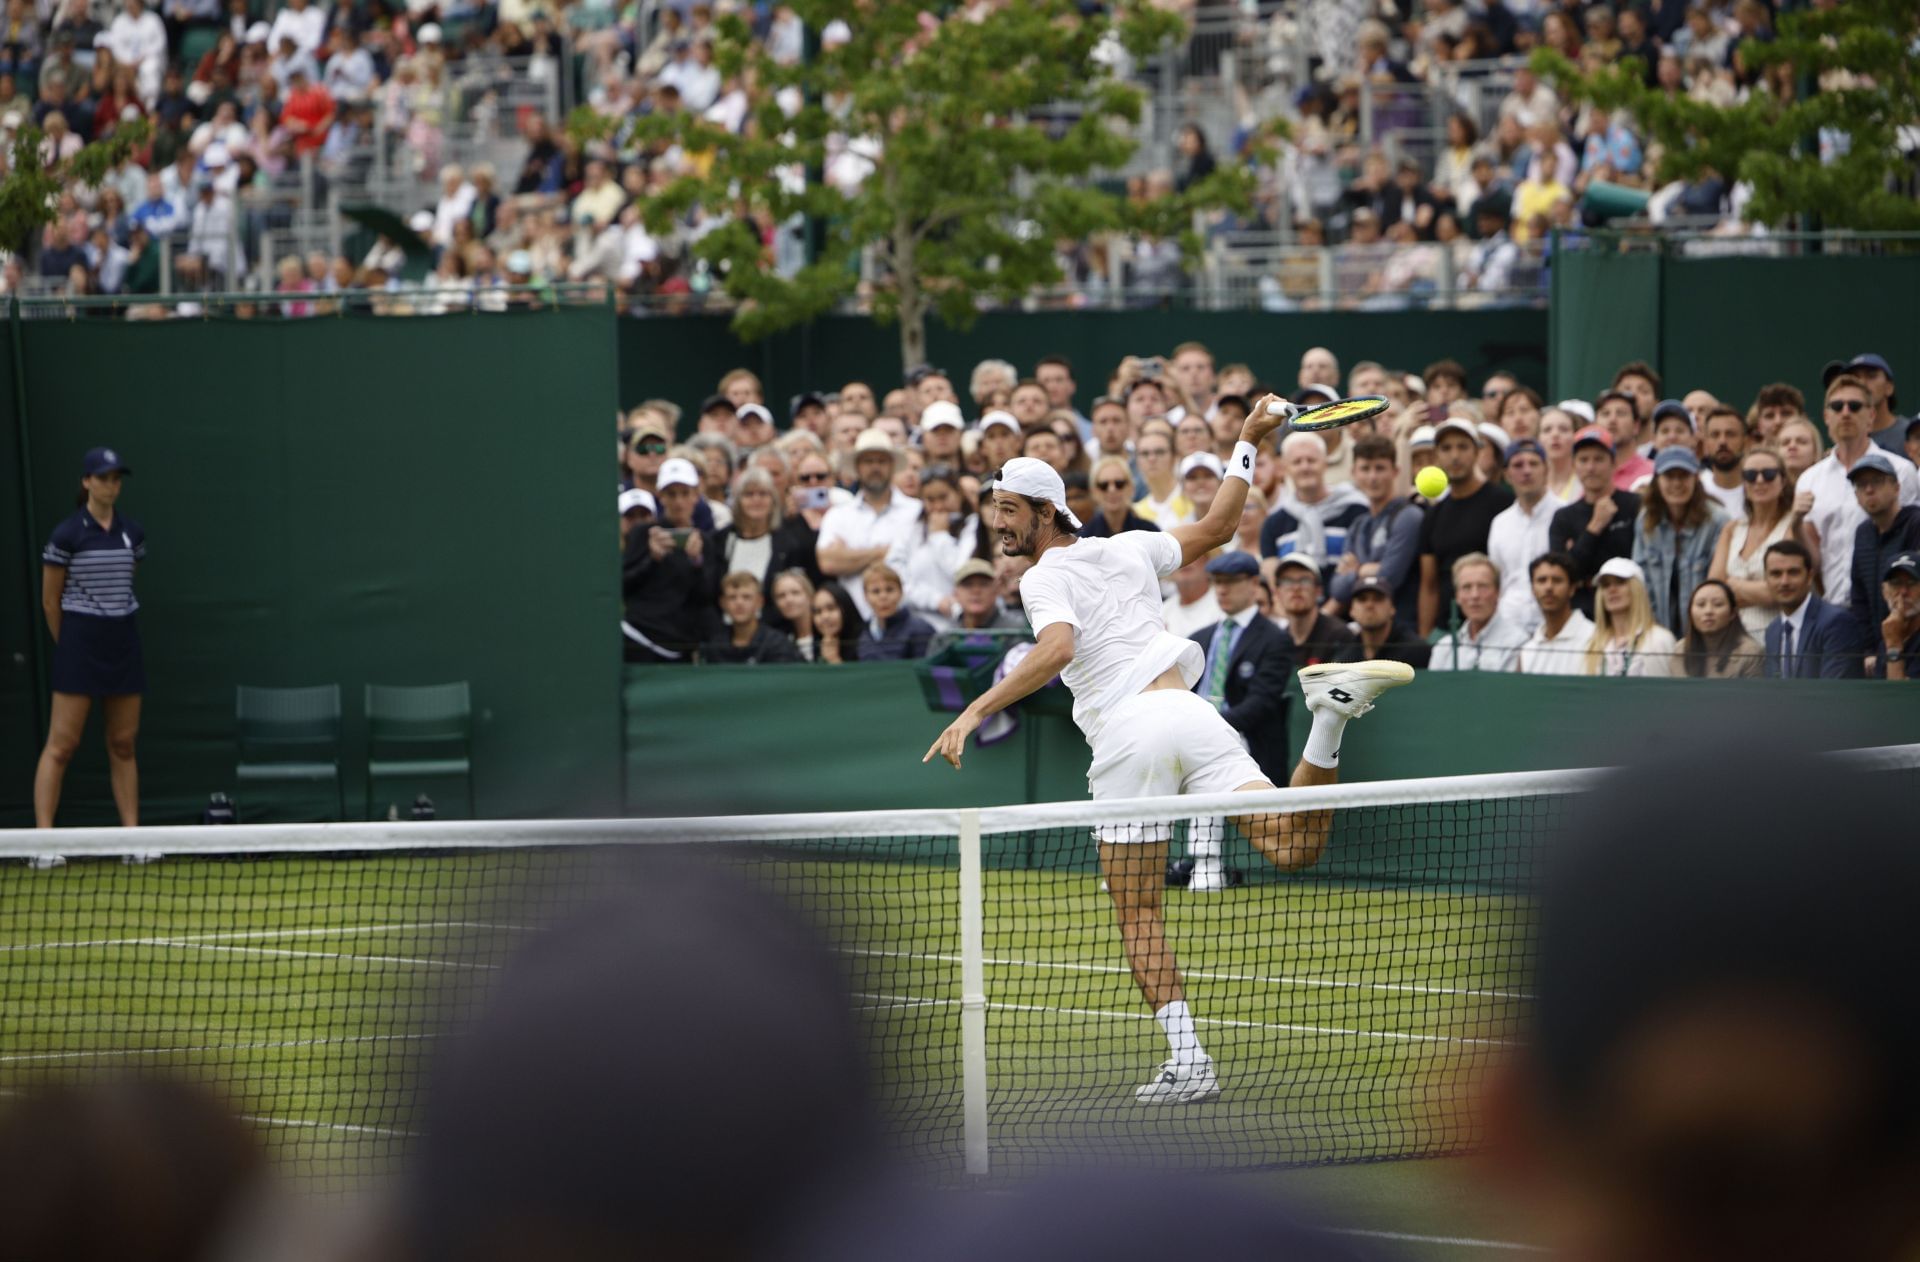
pixel 1037 480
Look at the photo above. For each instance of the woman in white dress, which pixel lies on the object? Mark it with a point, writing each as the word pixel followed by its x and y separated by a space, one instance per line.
pixel 1739 559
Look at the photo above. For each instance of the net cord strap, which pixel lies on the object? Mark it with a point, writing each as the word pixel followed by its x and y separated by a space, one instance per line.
pixel 939 822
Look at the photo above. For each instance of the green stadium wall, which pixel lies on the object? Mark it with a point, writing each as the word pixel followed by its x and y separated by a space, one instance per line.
pixel 683 358
pixel 746 739
pixel 353 501
pixel 1731 325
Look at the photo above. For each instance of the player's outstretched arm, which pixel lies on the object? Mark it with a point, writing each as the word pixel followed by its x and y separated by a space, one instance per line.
pixel 1223 518
pixel 1052 650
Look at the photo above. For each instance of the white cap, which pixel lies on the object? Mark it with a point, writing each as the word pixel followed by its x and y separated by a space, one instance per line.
pixel 421 221
pixel 429 34
pixel 1620 567
pixel 1460 425
pixel 836 33
pixel 678 471
pixel 940 414
pixel 638 497
pixel 1000 418
pixel 257 33
pixel 1495 435
pixel 755 411
pixel 1577 407
pixel 1422 436
pixel 1037 480
pixel 1202 460
pixel 874 439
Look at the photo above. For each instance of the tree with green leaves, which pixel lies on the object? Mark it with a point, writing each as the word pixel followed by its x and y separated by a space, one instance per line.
pixel 30 191
pixel 988 135
pixel 1857 70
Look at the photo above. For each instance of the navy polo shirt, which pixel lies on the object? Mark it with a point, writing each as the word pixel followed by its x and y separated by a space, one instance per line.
pixel 99 563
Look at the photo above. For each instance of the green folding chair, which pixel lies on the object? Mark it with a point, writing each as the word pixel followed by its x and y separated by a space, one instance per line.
pixel 424 731
pixel 289 735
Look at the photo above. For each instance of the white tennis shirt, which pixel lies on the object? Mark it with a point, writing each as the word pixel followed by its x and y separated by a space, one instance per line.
pixel 1108 591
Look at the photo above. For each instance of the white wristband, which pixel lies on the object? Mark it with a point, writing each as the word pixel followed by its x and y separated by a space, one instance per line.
pixel 1240 463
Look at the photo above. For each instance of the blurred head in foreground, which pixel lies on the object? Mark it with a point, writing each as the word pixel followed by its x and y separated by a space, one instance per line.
pixel 1727 1025
pixel 672 1073
pixel 131 1168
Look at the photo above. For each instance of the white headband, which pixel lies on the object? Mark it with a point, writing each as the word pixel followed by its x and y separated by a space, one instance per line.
pixel 1036 479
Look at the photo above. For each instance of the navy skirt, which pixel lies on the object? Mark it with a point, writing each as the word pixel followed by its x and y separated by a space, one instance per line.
pixel 98 657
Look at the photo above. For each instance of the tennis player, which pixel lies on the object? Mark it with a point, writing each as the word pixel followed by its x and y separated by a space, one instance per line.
pixel 1095 609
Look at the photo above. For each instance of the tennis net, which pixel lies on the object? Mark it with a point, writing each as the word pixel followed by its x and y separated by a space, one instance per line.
pixel 308 971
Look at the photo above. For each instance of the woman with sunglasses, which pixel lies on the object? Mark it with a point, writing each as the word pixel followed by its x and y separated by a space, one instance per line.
pixel 809 495
pixel 1739 559
pixel 1113 501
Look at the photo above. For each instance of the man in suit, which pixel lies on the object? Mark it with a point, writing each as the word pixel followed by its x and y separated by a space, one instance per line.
pixel 1246 676
pixel 1811 639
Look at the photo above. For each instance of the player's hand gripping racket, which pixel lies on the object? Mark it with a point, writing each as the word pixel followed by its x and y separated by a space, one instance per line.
pixel 1339 412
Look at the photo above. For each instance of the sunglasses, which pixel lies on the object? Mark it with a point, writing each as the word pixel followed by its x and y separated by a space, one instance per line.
pixel 1112 486
pixel 1846 405
pixel 813 479
pixel 1761 475
pixel 650 449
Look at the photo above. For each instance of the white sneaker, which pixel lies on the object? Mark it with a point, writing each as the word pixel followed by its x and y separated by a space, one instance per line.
pixel 41 862
pixel 1350 687
pixel 1209 877
pixel 1180 1084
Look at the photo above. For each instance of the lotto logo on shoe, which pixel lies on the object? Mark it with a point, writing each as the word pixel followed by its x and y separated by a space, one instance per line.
pixel 1341 695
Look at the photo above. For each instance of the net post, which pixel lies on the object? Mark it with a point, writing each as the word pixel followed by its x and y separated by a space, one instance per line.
pixel 973 999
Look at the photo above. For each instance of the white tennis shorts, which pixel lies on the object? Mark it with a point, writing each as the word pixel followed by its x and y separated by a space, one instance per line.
pixel 1163 742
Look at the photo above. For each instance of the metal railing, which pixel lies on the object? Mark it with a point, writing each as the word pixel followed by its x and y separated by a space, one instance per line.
pixel 399 300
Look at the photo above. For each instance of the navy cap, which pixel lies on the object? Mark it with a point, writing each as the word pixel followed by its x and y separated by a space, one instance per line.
pixel 1234 564
pixel 101 460
pixel 1672 407
pixel 1621 395
pixel 1907 563
pixel 1875 461
pixel 1868 359
pixel 810 399
pixel 1372 583
pixel 716 403
pixel 1315 394
pixel 1519 445
pixel 1676 458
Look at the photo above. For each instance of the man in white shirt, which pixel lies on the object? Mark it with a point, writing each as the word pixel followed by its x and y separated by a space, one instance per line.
pixel 1723 445
pixel 1558 645
pixel 854 536
pixel 1518 532
pixel 1835 515
pixel 138 38
pixel 1487 641
pixel 1092 606
pixel 300 21
pixel 1193 605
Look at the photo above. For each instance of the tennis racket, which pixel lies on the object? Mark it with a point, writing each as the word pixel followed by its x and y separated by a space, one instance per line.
pixel 1340 412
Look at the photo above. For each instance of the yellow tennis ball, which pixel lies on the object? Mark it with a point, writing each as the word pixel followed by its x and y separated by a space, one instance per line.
pixel 1430 482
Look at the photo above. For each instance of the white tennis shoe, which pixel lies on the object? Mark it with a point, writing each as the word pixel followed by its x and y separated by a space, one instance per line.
pixel 1350 688
pixel 1176 1083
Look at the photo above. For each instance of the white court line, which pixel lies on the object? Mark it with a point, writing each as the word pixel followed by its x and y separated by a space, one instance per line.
pixel 916 1001
pixel 296 1123
pixel 115 1053
pixel 1459 1242
pixel 256 935
pixel 1221 977
pixel 420 961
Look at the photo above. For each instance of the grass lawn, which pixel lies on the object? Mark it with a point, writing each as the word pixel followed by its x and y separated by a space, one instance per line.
pixel 1346 1017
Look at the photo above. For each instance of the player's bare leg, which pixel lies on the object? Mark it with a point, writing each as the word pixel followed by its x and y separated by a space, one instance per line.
pixel 1136 881
pixel 1334 693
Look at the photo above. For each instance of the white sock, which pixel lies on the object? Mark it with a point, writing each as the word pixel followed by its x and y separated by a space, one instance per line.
pixel 1323 742
pixel 1177 1020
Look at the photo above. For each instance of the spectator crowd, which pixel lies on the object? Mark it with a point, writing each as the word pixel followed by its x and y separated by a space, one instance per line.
pixel 1634 534
pixel 239 95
